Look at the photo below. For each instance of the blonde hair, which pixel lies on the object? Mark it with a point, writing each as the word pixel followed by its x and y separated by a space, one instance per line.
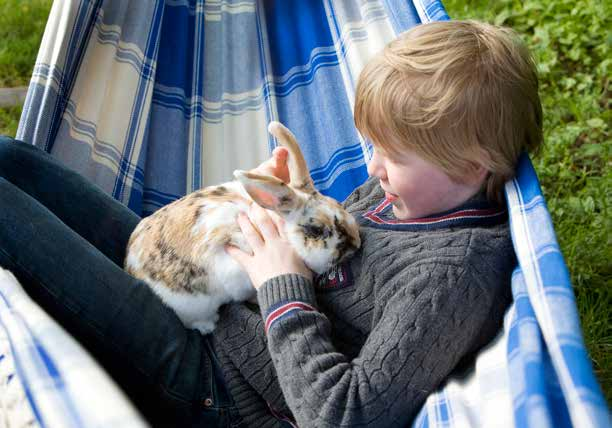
pixel 460 94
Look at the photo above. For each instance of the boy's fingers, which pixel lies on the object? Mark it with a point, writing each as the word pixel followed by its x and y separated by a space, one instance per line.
pixel 281 170
pixel 279 222
pixel 263 221
pixel 279 154
pixel 276 165
pixel 252 236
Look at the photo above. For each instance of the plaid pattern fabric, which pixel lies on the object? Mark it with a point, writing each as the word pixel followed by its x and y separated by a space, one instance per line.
pixel 546 341
pixel 154 99
pixel 64 387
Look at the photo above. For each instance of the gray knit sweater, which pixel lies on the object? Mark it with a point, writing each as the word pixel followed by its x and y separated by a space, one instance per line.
pixel 365 344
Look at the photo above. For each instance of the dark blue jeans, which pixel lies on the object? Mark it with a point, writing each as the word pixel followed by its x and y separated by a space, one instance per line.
pixel 65 240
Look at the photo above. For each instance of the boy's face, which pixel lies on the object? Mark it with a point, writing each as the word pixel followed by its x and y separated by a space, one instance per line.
pixel 418 188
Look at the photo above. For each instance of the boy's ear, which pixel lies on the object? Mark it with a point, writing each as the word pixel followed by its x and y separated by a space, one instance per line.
pixel 268 191
pixel 480 173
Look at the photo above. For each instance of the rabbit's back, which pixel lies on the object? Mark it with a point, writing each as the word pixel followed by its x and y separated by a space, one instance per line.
pixel 179 251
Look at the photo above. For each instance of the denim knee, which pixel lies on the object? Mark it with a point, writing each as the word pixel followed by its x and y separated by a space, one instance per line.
pixel 11 151
pixel 6 152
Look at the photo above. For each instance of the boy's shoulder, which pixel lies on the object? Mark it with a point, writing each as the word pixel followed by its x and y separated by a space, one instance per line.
pixel 490 249
pixel 482 248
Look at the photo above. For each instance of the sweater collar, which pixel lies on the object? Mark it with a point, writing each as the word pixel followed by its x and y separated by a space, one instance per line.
pixel 476 211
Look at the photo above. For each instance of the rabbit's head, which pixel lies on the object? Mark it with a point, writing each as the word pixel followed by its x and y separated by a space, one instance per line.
pixel 320 230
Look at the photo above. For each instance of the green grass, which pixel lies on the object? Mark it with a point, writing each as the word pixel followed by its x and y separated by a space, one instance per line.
pixel 9 119
pixel 571 42
pixel 22 23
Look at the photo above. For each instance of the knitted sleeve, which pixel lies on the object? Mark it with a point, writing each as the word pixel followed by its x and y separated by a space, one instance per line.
pixel 426 325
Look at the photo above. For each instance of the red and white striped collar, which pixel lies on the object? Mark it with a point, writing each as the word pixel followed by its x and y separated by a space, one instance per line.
pixel 475 212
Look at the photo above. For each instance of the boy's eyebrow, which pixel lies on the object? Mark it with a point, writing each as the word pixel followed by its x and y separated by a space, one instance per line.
pixel 379 148
pixel 371 146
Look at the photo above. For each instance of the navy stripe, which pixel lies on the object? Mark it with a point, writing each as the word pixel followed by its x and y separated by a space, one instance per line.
pixel 195 109
pixel 320 173
pixel 287 17
pixel 263 66
pixel 356 161
pixel 151 197
pixel 137 106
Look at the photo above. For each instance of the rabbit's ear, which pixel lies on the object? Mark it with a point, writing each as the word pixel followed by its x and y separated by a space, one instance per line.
pixel 298 170
pixel 268 191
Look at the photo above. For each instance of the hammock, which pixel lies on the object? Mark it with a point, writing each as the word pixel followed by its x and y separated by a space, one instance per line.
pixel 152 100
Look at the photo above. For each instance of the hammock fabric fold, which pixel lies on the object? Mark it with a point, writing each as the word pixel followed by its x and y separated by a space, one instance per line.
pixel 152 100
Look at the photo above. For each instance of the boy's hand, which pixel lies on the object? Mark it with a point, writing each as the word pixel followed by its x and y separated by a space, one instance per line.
pixel 272 254
pixel 276 165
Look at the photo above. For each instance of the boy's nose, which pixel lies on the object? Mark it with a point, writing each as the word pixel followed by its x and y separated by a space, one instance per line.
pixel 375 167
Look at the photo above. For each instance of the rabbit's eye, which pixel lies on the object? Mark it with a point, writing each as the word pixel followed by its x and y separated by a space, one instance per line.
pixel 315 231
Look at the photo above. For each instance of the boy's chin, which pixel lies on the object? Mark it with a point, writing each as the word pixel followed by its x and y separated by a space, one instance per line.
pixel 399 210
pixel 402 212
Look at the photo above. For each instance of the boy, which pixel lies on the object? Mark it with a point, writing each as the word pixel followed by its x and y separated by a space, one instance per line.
pixel 449 107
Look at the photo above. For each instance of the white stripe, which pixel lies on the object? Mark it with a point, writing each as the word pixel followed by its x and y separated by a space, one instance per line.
pixel 420 8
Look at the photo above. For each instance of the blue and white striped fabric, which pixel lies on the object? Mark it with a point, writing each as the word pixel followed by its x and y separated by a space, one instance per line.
pixel 61 386
pixel 154 99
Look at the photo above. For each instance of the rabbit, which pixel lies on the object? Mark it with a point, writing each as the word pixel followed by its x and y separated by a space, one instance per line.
pixel 179 250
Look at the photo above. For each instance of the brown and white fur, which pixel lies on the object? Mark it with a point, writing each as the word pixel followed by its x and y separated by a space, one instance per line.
pixel 179 250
